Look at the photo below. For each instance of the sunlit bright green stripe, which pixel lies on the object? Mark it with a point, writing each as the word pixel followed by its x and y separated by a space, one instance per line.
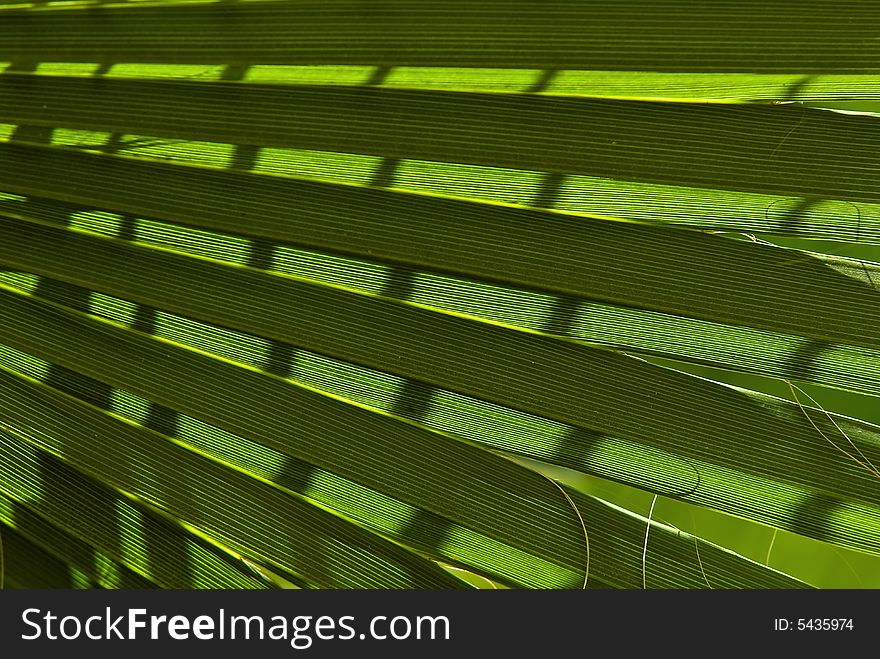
pixel 122 311
pixel 479 421
pixel 357 273
pixel 720 209
pixel 234 508
pixel 471 545
pixel 234 450
pixel 23 363
pixel 108 224
pixel 709 146
pixel 715 564
pixel 637 84
pixel 14 5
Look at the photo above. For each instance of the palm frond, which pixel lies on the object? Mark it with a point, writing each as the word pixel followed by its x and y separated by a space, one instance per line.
pixel 328 290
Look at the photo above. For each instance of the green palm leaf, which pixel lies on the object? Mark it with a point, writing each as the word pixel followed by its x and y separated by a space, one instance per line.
pixel 758 168
pixel 325 295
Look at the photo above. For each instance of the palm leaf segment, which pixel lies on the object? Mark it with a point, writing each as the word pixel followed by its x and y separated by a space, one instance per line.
pixel 292 288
